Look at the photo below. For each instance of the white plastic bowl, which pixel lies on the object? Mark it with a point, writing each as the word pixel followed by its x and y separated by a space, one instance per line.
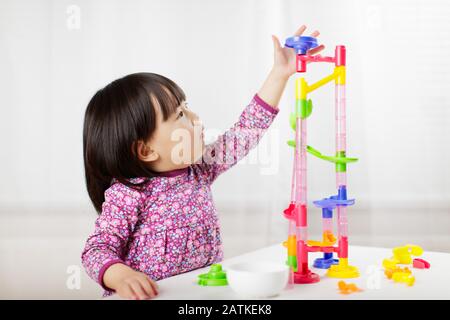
pixel 260 279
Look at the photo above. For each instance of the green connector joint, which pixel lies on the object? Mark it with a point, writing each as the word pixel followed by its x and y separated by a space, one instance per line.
pixel 303 108
pixel 292 262
pixel 341 166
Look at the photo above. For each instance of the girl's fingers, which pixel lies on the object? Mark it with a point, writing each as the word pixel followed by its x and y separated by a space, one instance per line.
pixel 155 286
pixel 300 31
pixel 153 283
pixel 149 290
pixel 128 293
pixel 136 286
pixel 315 33
pixel 276 43
pixel 316 49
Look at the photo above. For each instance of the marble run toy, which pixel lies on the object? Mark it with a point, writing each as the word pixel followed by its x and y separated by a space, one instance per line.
pixel 298 245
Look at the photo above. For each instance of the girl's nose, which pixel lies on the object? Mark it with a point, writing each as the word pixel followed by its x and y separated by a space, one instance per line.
pixel 195 119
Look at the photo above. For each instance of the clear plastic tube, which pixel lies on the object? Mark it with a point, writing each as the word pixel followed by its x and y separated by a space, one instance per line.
pixel 341 179
pixel 342 221
pixel 302 234
pixel 293 188
pixel 341 131
pixel 341 146
pixel 300 158
pixel 327 224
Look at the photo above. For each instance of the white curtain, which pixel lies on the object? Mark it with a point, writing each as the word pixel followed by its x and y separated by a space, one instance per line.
pixel 55 54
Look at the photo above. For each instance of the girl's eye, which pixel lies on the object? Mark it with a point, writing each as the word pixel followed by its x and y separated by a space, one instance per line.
pixel 180 114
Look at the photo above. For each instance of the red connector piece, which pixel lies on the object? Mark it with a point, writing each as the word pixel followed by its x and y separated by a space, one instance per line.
pixel 296 213
pixel 339 54
pixel 338 59
pixel 421 264
pixel 289 213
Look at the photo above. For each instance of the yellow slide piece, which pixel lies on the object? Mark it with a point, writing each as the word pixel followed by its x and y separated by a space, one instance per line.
pixel 328 240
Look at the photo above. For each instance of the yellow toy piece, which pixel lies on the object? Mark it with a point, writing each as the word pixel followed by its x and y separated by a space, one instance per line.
pixel 390 272
pixel 405 277
pixel 328 240
pixel 342 270
pixel 390 263
pixel 314 243
pixel 291 245
pixel 302 88
pixel 329 237
pixel 403 254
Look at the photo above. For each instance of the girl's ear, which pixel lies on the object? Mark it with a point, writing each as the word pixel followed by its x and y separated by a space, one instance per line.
pixel 145 153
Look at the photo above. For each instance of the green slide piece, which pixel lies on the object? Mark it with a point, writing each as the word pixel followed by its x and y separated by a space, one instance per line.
pixel 340 158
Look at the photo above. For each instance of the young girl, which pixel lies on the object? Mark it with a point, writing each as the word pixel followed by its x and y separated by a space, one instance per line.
pixel 156 213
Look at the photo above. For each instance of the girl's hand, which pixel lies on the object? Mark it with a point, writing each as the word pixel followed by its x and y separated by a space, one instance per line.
pixel 285 58
pixel 137 286
pixel 130 284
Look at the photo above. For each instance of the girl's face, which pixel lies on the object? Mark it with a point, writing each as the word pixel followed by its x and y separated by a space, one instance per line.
pixel 177 142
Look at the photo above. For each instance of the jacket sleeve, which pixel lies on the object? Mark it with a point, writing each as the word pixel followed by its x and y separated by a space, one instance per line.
pixel 107 244
pixel 236 142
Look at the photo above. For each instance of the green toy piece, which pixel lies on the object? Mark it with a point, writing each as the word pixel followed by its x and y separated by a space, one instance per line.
pixel 215 277
pixel 292 262
pixel 304 108
pixel 340 159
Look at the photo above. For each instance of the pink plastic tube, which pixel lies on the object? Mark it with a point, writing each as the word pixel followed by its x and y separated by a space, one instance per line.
pixel 300 160
pixel 327 224
pixel 341 177
pixel 341 131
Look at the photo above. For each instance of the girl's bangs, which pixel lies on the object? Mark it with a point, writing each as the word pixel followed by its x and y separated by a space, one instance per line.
pixel 169 97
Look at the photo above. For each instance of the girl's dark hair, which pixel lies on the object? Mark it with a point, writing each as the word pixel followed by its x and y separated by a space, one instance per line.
pixel 119 114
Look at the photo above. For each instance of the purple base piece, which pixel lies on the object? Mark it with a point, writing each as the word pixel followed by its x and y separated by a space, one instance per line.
pixel 332 202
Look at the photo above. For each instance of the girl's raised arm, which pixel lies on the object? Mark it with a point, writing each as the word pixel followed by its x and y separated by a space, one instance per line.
pixel 237 141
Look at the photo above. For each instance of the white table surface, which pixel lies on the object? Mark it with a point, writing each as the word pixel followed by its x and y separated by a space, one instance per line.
pixel 433 283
